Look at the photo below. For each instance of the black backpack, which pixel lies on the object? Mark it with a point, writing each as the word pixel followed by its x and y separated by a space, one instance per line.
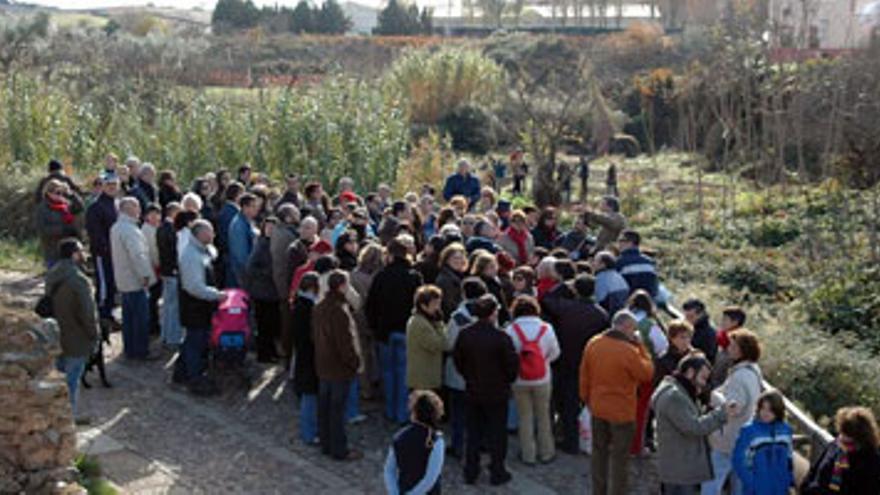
pixel 44 309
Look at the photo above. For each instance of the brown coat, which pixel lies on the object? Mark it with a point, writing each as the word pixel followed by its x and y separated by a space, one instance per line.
pixel 337 352
pixel 612 368
pixel 610 227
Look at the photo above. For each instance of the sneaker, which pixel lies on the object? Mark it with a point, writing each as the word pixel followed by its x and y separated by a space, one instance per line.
pixel 360 418
pixel 352 455
pixel 500 479
pixel 82 421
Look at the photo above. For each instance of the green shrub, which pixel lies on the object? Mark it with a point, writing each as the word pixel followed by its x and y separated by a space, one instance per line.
pixel 471 127
pixel 774 233
pixel 848 301
pixel 820 372
pixel 754 276
pixel 433 83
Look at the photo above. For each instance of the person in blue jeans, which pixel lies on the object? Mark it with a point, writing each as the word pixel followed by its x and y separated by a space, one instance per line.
pixel 388 308
pixel 198 297
pixel 76 313
pixel 134 274
pixel 305 377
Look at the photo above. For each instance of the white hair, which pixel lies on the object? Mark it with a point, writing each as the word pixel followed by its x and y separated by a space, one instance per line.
pixel 450 229
pixel 147 167
pixel 622 316
pixel 193 200
pixel 132 160
pixel 310 220
pixel 128 202
pixel 545 268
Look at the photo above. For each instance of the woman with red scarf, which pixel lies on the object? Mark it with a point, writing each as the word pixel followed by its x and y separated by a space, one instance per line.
pixel 517 240
pixel 56 218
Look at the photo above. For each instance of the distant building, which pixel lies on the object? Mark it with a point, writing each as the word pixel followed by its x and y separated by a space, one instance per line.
pixel 824 24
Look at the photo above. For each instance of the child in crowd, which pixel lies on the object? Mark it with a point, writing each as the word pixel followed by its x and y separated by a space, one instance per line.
pixel 415 458
pixel 762 457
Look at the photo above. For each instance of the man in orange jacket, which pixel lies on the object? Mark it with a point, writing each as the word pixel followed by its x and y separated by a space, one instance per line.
pixel 613 366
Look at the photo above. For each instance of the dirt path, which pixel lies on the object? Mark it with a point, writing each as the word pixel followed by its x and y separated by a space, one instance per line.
pixel 151 438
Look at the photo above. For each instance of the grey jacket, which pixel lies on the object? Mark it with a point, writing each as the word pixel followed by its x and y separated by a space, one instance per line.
pixel 130 255
pixel 682 450
pixel 282 237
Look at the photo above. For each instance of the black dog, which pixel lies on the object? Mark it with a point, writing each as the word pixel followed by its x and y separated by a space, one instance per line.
pixel 97 358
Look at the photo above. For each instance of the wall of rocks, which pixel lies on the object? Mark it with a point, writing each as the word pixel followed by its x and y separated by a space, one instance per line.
pixel 37 435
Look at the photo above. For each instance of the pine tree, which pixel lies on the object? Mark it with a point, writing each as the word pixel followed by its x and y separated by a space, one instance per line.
pixel 302 18
pixel 397 19
pixel 235 14
pixel 332 19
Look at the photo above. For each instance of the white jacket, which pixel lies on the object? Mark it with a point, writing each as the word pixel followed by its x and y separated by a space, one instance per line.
pixel 130 255
pixel 743 385
pixel 531 327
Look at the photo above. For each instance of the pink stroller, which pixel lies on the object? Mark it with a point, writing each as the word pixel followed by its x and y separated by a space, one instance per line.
pixel 231 329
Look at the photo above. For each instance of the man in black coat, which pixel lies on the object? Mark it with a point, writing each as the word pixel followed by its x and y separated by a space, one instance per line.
pixel 487 360
pixel 388 308
pixel 704 338
pixel 576 320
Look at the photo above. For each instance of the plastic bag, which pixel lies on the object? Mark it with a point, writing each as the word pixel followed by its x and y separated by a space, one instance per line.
pixel 585 431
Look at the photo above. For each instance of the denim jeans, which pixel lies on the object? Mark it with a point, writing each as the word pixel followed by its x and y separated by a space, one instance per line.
pixel 722 465
pixel 667 489
pixel 392 357
pixel 172 332
pixel 457 419
pixel 135 324
pixel 308 418
pixel 331 417
pixel 73 368
pixel 190 361
pixel 352 403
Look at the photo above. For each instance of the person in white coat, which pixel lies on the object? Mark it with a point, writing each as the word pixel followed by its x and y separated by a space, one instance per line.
pixel 134 274
pixel 535 342
pixel 742 387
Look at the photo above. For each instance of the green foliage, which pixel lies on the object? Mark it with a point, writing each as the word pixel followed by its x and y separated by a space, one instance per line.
pixel 774 232
pixel 302 18
pixel 397 19
pixel 235 14
pixel 848 301
pixel 89 471
pixel 471 127
pixel 821 372
pixel 331 19
pixel 432 84
pixel 753 276
pixel 338 128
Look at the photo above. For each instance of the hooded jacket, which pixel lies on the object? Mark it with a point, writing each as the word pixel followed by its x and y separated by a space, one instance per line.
pixel 762 458
pixel 73 307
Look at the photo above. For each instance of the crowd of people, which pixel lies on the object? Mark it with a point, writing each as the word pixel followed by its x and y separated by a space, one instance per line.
pixel 459 312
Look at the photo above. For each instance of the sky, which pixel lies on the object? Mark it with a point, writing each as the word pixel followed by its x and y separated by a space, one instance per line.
pixel 181 4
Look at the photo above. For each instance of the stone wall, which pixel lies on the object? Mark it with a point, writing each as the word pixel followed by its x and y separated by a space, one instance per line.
pixel 37 435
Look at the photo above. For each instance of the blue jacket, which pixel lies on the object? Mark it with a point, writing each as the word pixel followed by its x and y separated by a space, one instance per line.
pixel 762 458
pixel 224 218
pixel 611 290
pixel 467 186
pixel 639 270
pixel 100 217
pixel 478 242
pixel 240 244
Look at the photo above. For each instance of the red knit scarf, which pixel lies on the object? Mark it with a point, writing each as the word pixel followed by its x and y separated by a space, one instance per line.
pixel 520 237
pixel 62 207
